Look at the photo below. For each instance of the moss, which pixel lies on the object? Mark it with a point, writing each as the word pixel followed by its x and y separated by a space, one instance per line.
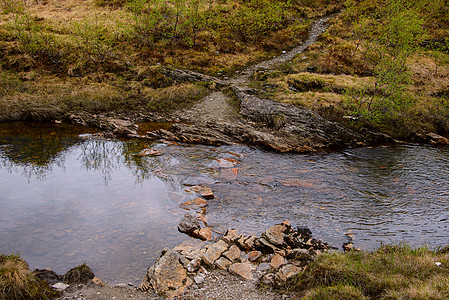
pixel 79 274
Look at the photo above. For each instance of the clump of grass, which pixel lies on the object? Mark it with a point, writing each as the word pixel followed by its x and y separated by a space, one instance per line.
pixel 391 272
pixel 79 274
pixel 18 282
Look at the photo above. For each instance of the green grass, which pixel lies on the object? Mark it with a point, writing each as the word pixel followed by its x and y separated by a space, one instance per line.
pixel 391 272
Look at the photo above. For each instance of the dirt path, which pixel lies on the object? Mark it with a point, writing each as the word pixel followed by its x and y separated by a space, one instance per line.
pixel 217 107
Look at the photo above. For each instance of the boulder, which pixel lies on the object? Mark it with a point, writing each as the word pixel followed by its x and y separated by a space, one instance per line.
pixel 167 276
pixel 189 224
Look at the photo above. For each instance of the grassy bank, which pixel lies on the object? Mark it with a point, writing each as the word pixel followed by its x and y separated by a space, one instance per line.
pixel 109 56
pixel 391 272
pixel 383 64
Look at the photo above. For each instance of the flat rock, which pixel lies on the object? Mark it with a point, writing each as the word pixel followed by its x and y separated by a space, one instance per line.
pixel 277 261
pixel 223 263
pixel 244 270
pixel 60 286
pixel 194 204
pixel 214 252
pixel 233 253
pixel 205 233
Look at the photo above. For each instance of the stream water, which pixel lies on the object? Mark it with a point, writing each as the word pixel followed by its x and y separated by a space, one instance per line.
pixel 67 197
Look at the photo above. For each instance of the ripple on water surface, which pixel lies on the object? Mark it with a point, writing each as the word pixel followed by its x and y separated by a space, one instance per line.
pixel 67 199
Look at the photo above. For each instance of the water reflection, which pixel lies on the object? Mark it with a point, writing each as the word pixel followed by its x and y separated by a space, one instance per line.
pixel 96 200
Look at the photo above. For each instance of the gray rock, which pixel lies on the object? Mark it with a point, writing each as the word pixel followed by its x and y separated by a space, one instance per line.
pixel 287 272
pixel 189 224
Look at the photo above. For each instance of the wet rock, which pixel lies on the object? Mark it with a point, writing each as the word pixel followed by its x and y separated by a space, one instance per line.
pixel 223 263
pixel 149 152
pixel 288 271
pixel 48 275
pixel 277 261
pixel 167 276
pixel 275 235
pixel 214 252
pixel 227 162
pixel 118 127
pixel 192 249
pixel 233 253
pixel 254 255
pixel 189 224
pixel 244 270
pixel 230 174
pixel 349 246
pixel 204 233
pixel 194 204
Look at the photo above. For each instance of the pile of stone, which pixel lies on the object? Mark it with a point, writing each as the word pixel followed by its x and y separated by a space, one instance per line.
pixel 279 254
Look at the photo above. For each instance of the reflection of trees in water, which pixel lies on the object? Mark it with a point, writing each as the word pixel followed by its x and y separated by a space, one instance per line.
pixel 35 150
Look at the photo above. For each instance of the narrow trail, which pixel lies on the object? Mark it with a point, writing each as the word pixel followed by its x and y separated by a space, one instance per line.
pixel 216 106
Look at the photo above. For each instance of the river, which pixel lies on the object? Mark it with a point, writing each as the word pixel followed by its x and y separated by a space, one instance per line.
pixel 68 197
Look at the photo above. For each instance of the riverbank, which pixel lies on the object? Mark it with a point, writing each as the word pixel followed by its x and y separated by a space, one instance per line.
pixel 313 62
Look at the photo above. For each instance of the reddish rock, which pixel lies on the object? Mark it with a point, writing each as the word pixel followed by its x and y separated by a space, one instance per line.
pixel 214 252
pixel 230 174
pixel 437 139
pixel 194 204
pixel 244 270
pixel 254 255
pixel 205 233
pixel 223 263
pixel 226 162
pixel 277 261
pixel 230 236
pixel 233 253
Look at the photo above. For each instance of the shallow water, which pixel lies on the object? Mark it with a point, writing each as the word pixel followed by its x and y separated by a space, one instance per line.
pixel 67 199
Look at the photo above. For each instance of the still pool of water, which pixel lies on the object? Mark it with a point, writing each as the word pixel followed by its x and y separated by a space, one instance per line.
pixel 68 197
